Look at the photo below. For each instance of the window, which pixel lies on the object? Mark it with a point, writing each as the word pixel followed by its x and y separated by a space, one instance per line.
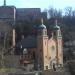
pixel 53 48
pixel 46 67
pixel 45 42
pixel 45 32
pixel 49 57
pixel 45 56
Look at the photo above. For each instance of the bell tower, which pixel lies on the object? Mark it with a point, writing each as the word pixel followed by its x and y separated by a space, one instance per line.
pixel 42 47
pixel 58 38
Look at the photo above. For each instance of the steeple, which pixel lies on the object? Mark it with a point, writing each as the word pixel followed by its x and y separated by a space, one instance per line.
pixel 56 22
pixel 41 20
pixel 56 27
pixel 42 26
pixel 42 30
pixel 4 2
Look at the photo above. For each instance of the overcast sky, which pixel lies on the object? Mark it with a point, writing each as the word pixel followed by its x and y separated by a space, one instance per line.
pixel 59 4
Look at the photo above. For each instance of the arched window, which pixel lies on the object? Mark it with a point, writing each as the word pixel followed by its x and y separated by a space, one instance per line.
pixel 53 47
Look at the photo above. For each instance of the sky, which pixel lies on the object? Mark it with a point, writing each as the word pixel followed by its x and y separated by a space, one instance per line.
pixel 43 4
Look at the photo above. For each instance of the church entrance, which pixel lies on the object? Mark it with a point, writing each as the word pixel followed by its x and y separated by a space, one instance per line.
pixel 53 64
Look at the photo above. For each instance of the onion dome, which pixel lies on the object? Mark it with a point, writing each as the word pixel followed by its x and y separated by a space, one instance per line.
pixel 56 27
pixel 42 26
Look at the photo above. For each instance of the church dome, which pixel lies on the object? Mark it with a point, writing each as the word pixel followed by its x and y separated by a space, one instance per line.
pixel 56 27
pixel 42 26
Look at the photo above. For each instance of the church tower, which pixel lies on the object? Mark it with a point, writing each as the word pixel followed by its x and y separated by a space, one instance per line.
pixel 42 47
pixel 59 48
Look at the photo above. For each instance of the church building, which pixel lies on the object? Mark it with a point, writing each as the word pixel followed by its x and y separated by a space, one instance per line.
pixel 42 51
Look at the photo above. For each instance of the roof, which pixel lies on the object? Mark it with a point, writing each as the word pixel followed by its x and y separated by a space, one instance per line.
pixel 7 6
pixel 56 27
pixel 42 26
pixel 29 9
pixel 28 42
